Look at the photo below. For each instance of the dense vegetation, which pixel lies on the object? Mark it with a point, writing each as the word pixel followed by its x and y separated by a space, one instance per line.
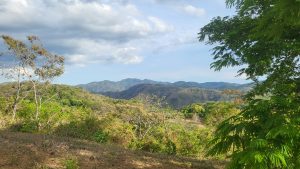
pixel 176 97
pixel 140 125
pixel 263 37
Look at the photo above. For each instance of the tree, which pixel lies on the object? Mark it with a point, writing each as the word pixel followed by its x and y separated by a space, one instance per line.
pixel 264 38
pixel 12 71
pixel 192 110
pixel 31 62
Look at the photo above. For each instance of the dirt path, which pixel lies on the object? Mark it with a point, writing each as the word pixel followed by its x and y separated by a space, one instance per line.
pixel 35 151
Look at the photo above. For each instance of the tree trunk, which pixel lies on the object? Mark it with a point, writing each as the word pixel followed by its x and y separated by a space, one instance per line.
pixel 36 101
pixel 17 97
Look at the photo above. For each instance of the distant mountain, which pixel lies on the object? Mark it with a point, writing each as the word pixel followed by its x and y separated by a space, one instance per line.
pixel 110 86
pixel 213 85
pixel 175 97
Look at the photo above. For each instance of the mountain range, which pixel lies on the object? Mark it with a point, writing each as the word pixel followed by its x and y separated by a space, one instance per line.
pixel 118 86
pixel 176 95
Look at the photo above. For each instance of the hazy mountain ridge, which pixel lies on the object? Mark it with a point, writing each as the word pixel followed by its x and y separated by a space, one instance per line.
pixel 111 86
pixel 175 97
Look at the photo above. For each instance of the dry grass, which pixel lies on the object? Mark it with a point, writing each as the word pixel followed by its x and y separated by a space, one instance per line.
pixel 35 151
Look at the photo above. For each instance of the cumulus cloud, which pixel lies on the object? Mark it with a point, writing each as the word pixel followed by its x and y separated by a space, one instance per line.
pixel 191 10
pixel 169 1
pixel 183 6
pixel 86 31
pixel 87 52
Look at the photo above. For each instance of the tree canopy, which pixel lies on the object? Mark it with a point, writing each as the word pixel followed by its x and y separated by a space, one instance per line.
pixel 263 38
pixel 29 61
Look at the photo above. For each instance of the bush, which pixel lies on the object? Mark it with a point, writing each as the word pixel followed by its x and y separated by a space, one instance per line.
pixel 119 132
pixel 174 139
pixel 170 147
pixel 193 109
pixel 28 126
pixel 100 137
pixel 84 129
pixel 215 113
pixel 71 164
pixel 27 110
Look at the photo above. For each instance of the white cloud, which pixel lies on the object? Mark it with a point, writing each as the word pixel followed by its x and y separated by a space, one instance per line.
pixel 159 25
pixel 194 11
pixel 88 30
pixel 184 6
pixel 89 51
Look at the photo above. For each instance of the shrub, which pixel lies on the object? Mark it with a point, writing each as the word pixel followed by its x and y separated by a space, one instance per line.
pixel 193 109
pixel 100 137
pixel 84 129
pixel 27 110
pixel 28 126
pixel 71 164
pixel 215 113
pixel 119 132
pixel 170 147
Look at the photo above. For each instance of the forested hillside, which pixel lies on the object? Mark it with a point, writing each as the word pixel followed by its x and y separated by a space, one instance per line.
pixel 135 124
pixel 110 86
pixel 173 96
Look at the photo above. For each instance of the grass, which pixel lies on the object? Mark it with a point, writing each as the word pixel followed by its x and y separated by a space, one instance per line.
pixel 28 151
pixel 71 163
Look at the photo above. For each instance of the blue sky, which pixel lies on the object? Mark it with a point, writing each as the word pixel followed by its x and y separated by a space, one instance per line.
pixel 117 39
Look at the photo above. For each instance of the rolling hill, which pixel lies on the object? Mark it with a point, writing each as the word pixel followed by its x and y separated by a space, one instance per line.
pixel 110 86
pixel 74 126
pixel 176 95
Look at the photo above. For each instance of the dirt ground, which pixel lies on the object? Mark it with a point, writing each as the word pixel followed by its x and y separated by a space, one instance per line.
pixel 36 151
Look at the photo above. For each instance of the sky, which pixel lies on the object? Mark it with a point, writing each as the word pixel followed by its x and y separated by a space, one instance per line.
pixel 118 39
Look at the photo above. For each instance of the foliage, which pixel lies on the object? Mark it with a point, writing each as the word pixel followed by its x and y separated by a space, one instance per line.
pixel 174 139
pixel 71 163
pixel 88 128
pixel 33 55
pixel 143 125
pixel 193 109
pixel 172 95
pixel 263 38
pixel 212 113
pixel 100 137
pixel 215 113
pixel 29 61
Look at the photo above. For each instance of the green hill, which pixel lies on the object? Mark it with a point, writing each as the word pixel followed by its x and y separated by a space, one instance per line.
pixel 71 112
pixel 176 97
pixel 110 86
